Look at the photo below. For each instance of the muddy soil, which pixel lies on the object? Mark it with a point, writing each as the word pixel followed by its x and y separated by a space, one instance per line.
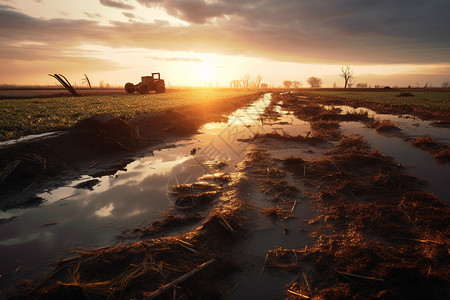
pixel 97 146
pixel 442 116
pixel 298 208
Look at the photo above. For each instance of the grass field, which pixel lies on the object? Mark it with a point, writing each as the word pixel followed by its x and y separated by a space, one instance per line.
pixel 428 100
pixel 19 117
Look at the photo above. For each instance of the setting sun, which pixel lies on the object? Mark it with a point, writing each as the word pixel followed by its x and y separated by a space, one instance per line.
pixel 205 71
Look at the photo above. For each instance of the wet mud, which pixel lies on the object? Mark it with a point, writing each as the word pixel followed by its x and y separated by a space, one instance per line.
pixel 287 198
pixel 95 146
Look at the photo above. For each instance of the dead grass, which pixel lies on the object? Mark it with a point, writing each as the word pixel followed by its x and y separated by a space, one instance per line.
pixel 284 136
pixel 381 237
pixel 277 188
pixel 427 105
pixel 325 129
pixel 217 178
pixel 382 126
pixel 169 221
pixel 440 151
pixel 274 213
pixel 270 115
pixel 104 134
pixel 138 270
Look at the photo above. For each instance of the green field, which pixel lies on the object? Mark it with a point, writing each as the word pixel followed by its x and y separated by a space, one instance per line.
pixel 19 117
pixel 428 100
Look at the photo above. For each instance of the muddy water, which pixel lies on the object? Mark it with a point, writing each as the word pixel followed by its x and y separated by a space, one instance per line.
pixel 419 163
pixel 410 125
pixel 91 212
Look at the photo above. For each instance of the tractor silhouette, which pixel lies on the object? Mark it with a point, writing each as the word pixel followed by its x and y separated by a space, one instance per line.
pixel 147 84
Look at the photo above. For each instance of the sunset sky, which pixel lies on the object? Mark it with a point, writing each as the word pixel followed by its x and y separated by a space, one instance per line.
pixel 198 42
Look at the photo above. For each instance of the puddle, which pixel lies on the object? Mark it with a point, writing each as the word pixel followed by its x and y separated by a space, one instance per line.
pixel 255 280
pixel 418 162
pixel 29 138
pixel 91 212
pixel 410 125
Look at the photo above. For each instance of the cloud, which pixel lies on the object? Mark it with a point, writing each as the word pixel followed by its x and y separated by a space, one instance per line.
pixel 347 32
pixel 129 15
pixel 116 4
pixel 6 7
pixel 194 10
pixel 93 16
pixel 180 59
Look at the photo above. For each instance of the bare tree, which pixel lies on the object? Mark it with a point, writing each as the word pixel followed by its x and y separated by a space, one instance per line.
pixel 445 84
pixel 347 74
pixel 361 85
pixel 246 81
pixel 258 80
pixel 296 84
pixel 314 82
pixel 350 83
pixel 287 83
pixel 235 84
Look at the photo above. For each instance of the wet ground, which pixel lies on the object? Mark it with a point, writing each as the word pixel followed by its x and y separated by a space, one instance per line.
pixel 96 212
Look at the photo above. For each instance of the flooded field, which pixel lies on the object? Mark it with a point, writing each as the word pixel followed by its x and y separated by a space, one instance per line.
pixel 251 190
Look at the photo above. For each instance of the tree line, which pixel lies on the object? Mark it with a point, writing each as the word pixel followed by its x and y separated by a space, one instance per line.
pixel 314 82
pixel 247 82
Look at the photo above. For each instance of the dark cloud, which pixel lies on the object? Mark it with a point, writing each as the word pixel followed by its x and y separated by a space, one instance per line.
pixel 116 4
pixel 344 30
pixel 93 16
pixel 6 7
pixel 194 10
pixel 129 15
pixel 339 32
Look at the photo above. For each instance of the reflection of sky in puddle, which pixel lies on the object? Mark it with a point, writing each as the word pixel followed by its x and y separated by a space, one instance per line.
pixel 420 163
pixel 267 234
pixel 89 218
pixel 72 217
pixel 28 138
pixel 410 125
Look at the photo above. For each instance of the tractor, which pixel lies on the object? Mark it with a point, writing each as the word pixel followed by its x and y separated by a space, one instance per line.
pixel 147 84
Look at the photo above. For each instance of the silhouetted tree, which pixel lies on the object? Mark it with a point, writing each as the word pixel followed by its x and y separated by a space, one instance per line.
pixel 445 84
pixel 246 81
pixel 258 80
pixel 347 74
pixel 287 84
pixel 235 84
pixel 314 82
pixel 296 84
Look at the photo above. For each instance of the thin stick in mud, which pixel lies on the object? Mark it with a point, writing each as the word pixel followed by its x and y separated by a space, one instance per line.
pixel 179 280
